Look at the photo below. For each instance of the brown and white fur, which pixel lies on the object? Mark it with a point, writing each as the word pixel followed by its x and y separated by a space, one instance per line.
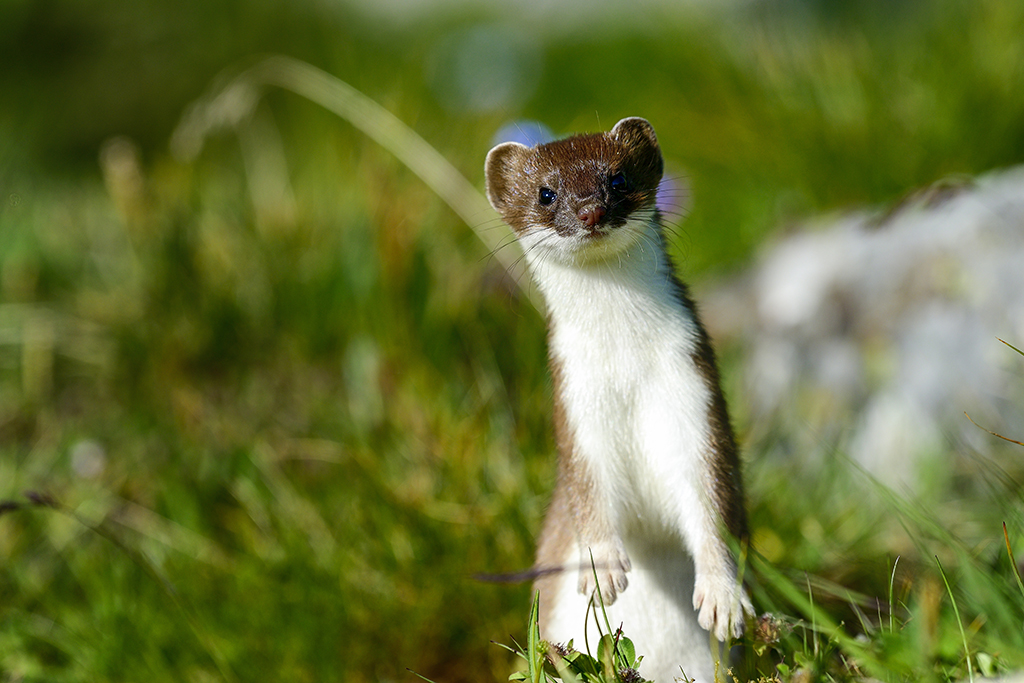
pixel 648 473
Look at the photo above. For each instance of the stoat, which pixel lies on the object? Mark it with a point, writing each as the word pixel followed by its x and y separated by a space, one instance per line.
pixel 649 481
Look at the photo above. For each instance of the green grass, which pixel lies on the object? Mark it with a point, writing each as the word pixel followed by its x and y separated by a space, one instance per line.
pixel 319 406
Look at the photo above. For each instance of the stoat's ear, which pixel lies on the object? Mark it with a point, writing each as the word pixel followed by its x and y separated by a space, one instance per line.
pixel 635 132
pixel 503 166
pixel 638 137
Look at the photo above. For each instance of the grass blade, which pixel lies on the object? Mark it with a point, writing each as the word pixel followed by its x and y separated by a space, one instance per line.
pixel 1011 346
pixel 892 608
pixel 959 622
pixel 1004 438
pixel 1013 561
pixel 535 658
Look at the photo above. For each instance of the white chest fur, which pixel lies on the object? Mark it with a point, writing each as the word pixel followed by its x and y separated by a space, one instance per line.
pixel 635 402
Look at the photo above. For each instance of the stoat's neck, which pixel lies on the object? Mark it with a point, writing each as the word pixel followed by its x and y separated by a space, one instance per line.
pixel 633 284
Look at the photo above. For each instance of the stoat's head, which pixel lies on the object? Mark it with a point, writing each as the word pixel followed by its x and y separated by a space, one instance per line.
pixel 580 199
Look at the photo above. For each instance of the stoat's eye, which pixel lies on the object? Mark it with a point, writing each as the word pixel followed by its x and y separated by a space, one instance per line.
pixel 618 183
pixel 547 195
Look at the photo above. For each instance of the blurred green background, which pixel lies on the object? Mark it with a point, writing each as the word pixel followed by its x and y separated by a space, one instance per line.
pixel 291 398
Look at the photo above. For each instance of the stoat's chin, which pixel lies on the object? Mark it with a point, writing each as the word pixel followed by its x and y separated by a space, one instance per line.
pixel 586 247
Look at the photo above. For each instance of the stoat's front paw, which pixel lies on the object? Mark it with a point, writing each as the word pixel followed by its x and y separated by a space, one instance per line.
pixel 611 564
pixel 723 605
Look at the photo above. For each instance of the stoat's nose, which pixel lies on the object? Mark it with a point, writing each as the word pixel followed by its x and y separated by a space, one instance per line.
pixel 591 215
